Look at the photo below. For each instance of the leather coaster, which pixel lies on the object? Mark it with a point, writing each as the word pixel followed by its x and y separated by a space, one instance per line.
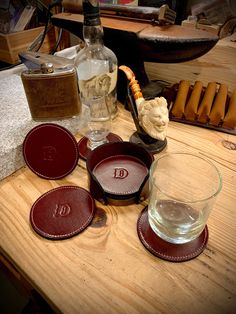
pixel 50 151
pixel 165 250
pixel 84 151
pixel 62 212
pixel 120 174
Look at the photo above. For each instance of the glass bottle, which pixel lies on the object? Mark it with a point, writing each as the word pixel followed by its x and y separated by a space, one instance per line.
pixel 96 64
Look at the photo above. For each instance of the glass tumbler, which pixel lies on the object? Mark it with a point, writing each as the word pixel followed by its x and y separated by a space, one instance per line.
pixel 183 189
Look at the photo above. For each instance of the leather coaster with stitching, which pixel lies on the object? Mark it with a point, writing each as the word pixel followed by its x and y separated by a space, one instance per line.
pixel 120 174
pixel 50 151
pixel 165 250
pixel 62 212
pixel 122 169
pixel 84 150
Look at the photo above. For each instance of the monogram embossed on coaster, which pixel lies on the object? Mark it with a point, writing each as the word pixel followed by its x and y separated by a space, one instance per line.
pixel 50 151
pixel 165 250
pixel 119 173
pixel 62 212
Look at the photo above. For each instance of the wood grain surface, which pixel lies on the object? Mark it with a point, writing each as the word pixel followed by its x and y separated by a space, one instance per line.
pixel 106 269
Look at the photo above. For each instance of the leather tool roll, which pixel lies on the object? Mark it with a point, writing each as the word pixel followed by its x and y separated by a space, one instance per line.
pixel 230 117
pixel 190 111
pixel 181 98
pixel 207 101
pixel 218 110
pixel 212 107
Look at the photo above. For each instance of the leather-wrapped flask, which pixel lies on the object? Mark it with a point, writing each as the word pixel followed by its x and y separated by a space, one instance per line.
pixel 51 86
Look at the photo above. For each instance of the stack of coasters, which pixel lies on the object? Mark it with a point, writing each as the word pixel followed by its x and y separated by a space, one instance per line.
pixel 51 152
pixel 84 150
pixel 119 173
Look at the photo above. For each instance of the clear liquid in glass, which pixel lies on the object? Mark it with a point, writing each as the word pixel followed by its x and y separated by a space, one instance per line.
pixel 175 222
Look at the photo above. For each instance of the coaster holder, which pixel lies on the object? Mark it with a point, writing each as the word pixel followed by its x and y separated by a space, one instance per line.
pixel 115 149
pixel 84 150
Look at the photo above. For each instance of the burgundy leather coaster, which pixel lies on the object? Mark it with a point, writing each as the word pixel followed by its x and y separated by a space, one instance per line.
pixel 122 169
pixel 84 150
pixel 50 151
pixel 165 250
pixel 62 212
pixel 120 174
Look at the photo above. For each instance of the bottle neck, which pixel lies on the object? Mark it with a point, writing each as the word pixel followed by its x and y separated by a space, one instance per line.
pixel 93 35
pixel 92 28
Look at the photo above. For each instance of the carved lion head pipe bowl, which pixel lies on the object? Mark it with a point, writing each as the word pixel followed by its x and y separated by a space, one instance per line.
pixel 119 173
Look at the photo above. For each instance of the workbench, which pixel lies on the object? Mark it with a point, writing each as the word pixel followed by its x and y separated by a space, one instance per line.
pixel 106 269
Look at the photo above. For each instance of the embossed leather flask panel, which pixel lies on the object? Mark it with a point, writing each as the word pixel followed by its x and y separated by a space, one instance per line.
pixel 52 96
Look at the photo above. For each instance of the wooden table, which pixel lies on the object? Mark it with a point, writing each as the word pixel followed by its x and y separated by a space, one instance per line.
pixel 106 269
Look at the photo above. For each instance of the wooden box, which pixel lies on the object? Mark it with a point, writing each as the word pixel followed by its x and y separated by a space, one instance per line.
pixel 13 43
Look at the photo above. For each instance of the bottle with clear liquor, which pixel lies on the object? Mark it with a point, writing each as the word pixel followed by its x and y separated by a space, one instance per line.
pixel 96 64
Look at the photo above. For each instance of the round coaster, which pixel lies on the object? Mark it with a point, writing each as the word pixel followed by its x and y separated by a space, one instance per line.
pixel 50 151
pixel 62 212
pixel 120 174
pixel 153 147
pixel 84 150
pixel 165 250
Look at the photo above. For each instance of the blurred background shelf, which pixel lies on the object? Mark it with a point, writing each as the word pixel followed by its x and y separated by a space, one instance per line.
pixel 13 43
